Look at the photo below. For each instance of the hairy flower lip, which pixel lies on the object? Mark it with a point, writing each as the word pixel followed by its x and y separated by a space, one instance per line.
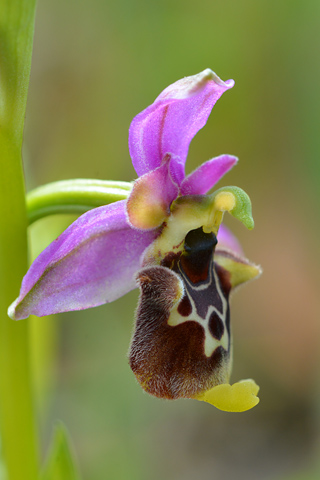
pixel 183 318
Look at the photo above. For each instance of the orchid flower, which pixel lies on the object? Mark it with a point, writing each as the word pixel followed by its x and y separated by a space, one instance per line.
pixel 167 239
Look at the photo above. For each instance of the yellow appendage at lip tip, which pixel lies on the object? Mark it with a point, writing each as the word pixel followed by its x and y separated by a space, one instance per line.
pixel 239 397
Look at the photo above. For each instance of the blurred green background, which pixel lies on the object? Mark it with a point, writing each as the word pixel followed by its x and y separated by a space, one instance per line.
pixel 97 64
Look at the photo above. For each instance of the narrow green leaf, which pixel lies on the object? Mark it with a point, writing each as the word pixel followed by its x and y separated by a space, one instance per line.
pixel 60 463
pixel 16 40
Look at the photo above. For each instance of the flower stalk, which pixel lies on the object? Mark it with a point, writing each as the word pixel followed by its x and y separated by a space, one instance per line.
pixel 74 196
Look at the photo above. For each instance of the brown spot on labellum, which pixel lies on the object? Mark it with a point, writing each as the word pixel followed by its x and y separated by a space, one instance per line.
pixel 216 326
pixel 185 307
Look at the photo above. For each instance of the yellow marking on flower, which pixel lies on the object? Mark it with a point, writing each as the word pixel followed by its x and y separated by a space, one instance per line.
pixel 225 201
pixel 222 202
pixel 148 217
pixel 145 207
pixel 239 397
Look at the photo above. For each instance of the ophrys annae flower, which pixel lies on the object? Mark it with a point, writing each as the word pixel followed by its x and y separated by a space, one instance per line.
pixel 167 238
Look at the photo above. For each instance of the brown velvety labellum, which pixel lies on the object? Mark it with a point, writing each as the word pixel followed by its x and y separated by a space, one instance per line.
pixel 181 343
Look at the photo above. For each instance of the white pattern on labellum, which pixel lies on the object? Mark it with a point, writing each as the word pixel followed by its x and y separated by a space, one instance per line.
pixel 210 343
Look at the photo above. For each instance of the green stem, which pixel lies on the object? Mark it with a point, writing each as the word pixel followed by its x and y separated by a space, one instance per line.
pixel 18 435
pixel 74 196
pixel 17 425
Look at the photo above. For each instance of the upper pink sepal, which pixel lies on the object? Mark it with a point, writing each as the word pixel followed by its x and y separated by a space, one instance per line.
pixel 170 123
